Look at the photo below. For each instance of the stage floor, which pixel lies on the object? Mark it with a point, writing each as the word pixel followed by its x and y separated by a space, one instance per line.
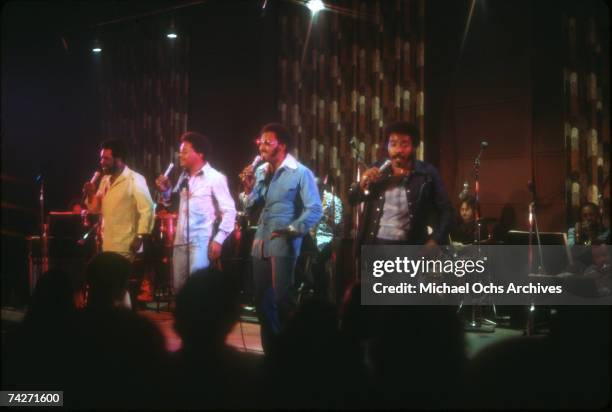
pixel 245 334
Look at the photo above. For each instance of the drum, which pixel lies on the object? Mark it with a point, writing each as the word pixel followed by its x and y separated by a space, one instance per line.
pixel 165 228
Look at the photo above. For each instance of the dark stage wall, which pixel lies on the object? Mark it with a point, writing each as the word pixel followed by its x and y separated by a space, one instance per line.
pixel 507 87
pixel 54 112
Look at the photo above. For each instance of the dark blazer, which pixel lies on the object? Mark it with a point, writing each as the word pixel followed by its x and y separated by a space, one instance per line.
pixel 427 200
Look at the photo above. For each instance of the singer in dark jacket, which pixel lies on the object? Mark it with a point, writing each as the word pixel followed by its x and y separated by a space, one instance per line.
pixel 403 196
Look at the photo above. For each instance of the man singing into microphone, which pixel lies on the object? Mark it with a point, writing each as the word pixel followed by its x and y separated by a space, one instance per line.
pixel 291 207
pixel 201 193
pixel 399 199
pixel 124 200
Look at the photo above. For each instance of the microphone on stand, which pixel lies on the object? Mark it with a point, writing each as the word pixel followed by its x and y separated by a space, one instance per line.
pixel 531 187
pixel 483 145
pixel 464 193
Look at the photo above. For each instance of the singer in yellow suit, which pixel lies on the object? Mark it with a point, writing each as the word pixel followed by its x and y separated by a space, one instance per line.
pixel 124 200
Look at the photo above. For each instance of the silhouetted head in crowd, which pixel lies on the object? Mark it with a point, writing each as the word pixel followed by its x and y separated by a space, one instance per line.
pixel 53 298
pixel 207 307
pixel 107 277
pixel 312 326
pixel 351 322
pixel 125 357
pixel 427 341
pixel 310 345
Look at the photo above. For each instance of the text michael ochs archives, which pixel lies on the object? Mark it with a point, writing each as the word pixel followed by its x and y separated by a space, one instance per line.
pixel 426 273
pixel 483 275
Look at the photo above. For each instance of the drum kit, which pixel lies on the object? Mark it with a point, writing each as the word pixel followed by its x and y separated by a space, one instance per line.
pixel 156 260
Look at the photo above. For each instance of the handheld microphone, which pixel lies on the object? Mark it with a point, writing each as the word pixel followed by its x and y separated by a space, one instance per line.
pixel 95 177
pixel 484 144
pixel 384 166
pixel 381 169
pixel 531 187
pixel 169 169
pixel 92 181
pixel 256 161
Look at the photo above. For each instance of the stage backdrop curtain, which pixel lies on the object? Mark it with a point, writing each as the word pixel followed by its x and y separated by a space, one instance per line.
pixel 344 75
pixel 587 110
pixel 143 80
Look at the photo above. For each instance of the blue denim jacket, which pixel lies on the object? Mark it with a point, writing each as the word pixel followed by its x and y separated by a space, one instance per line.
pixel 291 198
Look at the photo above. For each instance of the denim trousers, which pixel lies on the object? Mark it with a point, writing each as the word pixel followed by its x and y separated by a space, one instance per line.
pixel 275 294
pixel 197 253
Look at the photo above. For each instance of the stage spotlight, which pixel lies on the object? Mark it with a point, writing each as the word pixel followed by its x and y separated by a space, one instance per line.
pixel 171 33
pixel 97 47
pixel 315 6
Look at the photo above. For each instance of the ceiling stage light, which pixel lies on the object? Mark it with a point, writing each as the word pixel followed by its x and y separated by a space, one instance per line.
pixel 315 6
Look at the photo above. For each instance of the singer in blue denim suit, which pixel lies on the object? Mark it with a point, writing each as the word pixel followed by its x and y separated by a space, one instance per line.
pixel 291 207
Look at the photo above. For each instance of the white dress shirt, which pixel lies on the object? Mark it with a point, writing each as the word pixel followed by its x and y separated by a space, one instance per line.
pixel 207 187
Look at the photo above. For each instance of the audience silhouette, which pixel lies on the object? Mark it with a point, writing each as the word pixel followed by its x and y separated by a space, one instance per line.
pixel 408 357
pixel 208 372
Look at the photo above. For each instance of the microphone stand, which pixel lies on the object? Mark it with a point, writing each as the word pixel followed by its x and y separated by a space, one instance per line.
pixel 186 190
pixel 533 224
pixel 332 292
pixel 475 323
pixel 44 240
pixel 356 210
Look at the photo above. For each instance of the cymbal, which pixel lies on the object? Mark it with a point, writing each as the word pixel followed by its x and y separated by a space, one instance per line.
pixel 164 214
pixel 12 206
pixel 482 242
pixel 488 220
pixel 487 242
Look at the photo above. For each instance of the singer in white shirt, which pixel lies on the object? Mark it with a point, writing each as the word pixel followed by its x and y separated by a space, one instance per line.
pixel 124 201
pixel 203 195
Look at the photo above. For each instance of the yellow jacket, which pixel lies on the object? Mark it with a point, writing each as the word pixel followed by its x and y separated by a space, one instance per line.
pixel 127 210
